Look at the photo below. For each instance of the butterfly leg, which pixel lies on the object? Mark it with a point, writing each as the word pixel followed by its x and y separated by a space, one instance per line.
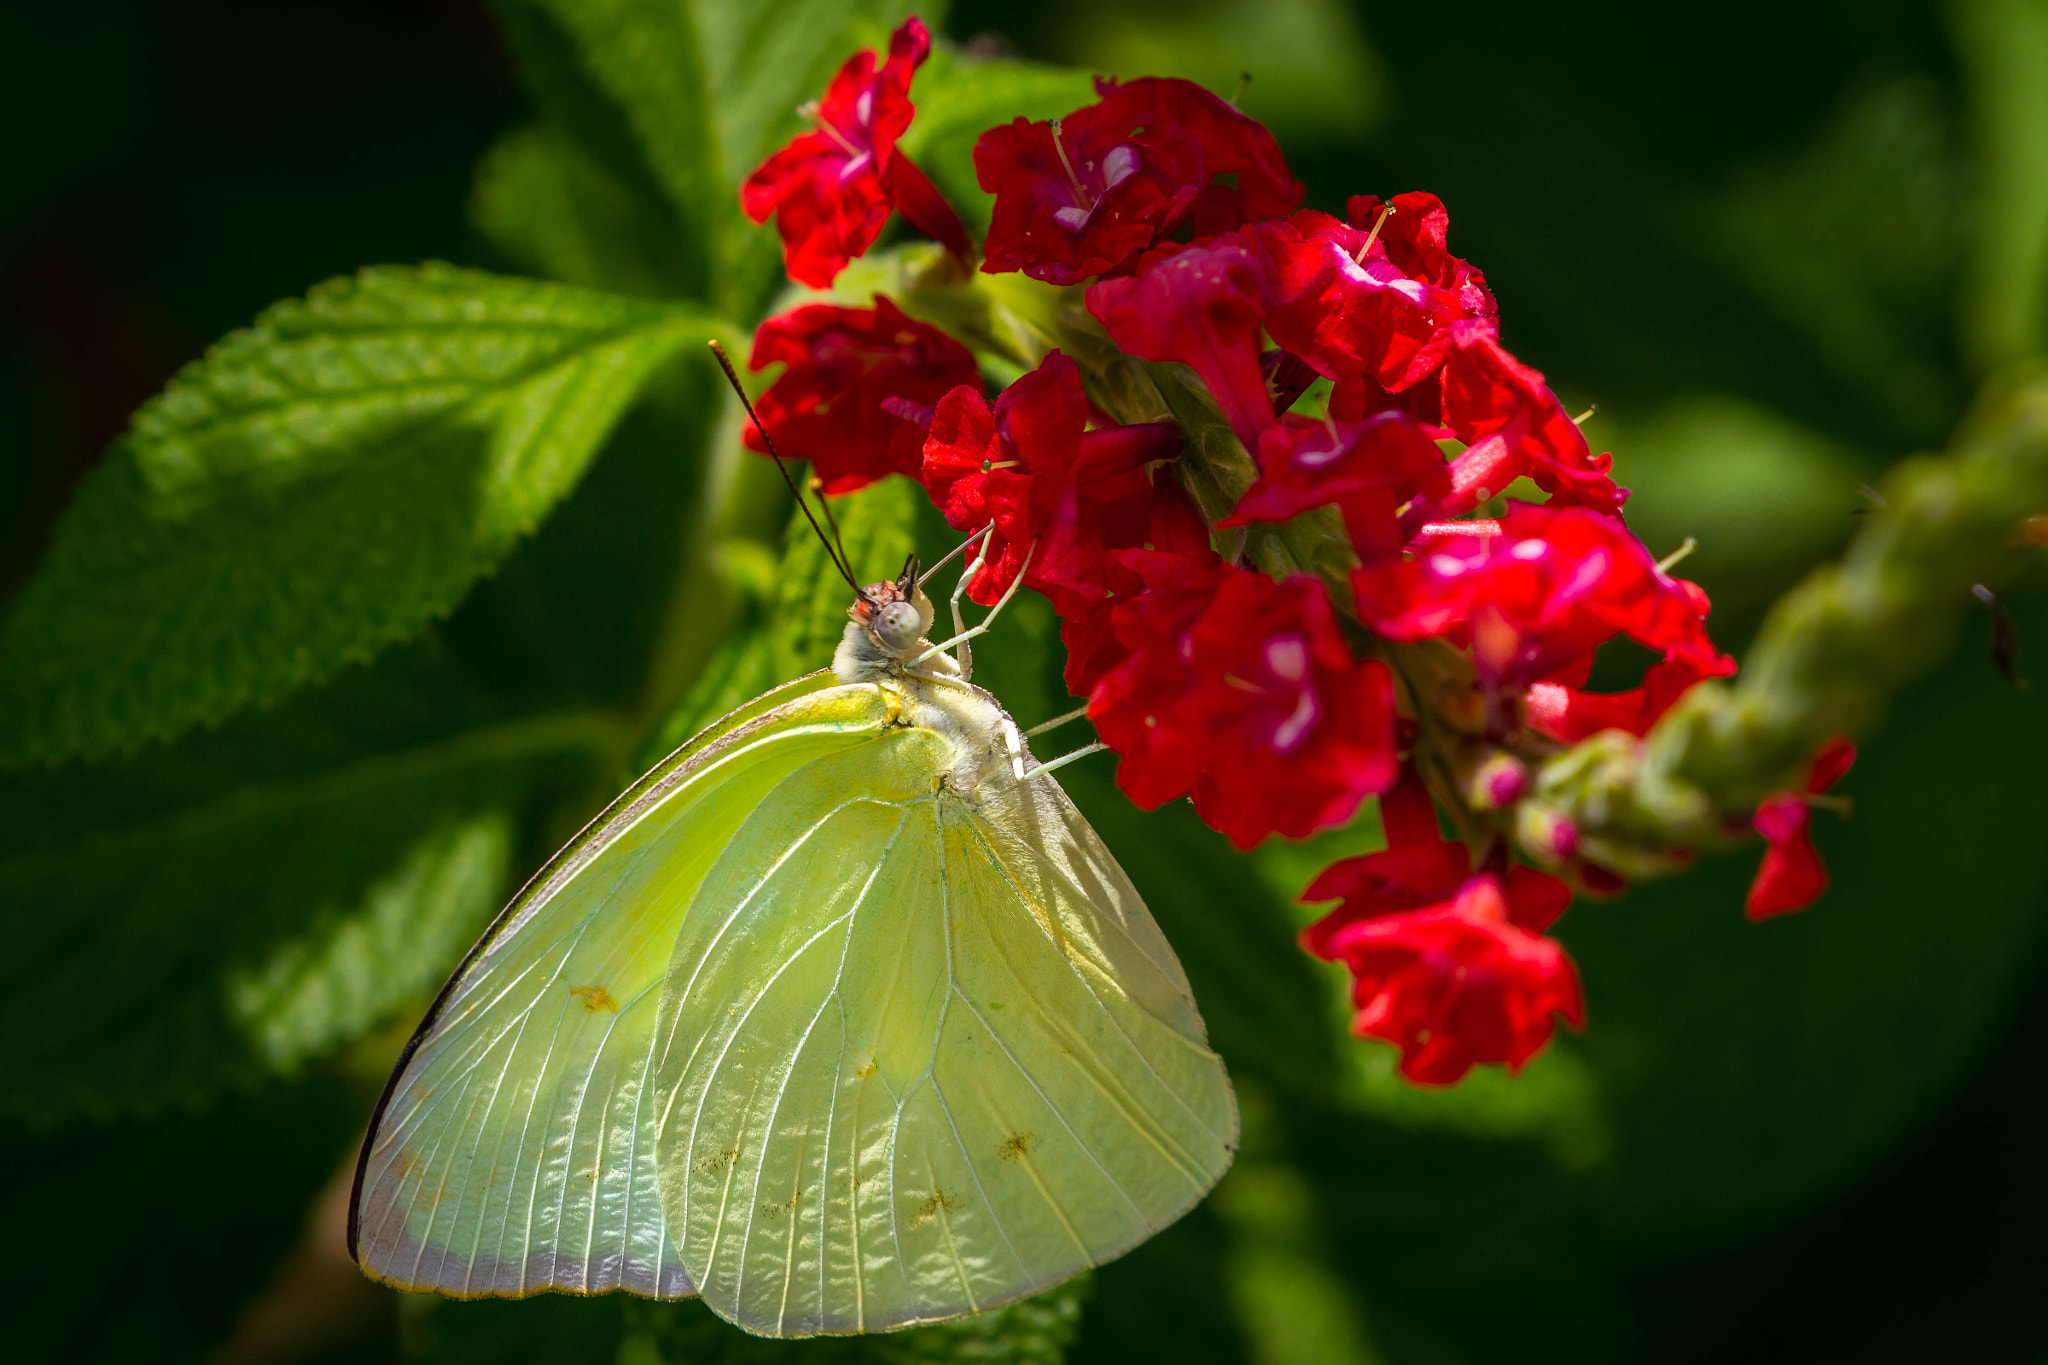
pixel 965 654
pixel 1064 759
pixel 942 646
pixel 1057 721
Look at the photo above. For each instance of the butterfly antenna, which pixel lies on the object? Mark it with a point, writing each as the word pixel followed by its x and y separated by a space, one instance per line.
pixel 818 486
pixel 835 552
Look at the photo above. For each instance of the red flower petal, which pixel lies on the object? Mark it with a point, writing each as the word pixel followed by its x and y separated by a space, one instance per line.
pixel 1415 237
pixel 1231 144
pixel 1201 305
pixel 1418 867
pixel 1081 195
pixel 1792 875
pixel 1830 764
pixel 833 405
pixel 1347 309
pixel 1368 468
pixel 1513 425
pixel 1569 715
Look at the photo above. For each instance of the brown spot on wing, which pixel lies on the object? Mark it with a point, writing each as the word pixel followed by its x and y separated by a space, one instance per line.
pixel 1016 1146
pixel 595 998
pixel 935 1203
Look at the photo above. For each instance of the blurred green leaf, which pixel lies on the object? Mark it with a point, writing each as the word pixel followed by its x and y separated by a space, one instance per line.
pixel 1295 1310
pixel 1313 75
pixel 2003 48
pixel 741 669
pixel 1855 242
pixel 1764 497
pixel 315 489
pixel 878 526
pixel 229 1190
pixel 554 210
pixel 224 910
pixel 328 988
pixel 578 613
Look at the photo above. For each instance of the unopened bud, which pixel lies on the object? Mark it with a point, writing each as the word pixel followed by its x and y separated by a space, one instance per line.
pixel 1546 833
pixel 1497 780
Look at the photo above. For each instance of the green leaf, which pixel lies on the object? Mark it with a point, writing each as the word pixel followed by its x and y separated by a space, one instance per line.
pixel 738 671
pixel 576 614
pixel 879 527
pixel 326 988
pixel 313 490
pixel 709 90
pixel 555 210
pixel 227 909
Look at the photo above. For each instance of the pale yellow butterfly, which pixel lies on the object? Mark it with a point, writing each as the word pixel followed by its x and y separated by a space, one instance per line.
pixel 841 1017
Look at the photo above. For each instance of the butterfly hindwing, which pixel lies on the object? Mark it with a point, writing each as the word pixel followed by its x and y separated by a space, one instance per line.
pixel 514 1151
pixel 931 1056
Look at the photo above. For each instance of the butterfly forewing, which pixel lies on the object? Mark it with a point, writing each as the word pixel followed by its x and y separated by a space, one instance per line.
pixel 514 1150
pixel 931 1056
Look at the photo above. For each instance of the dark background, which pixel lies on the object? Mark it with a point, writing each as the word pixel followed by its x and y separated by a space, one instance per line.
pixel 1779 244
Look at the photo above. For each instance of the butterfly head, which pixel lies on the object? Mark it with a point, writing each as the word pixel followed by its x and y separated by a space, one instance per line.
pixel 896 615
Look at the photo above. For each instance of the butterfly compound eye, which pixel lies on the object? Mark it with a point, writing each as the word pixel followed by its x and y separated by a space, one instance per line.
pixel 897 626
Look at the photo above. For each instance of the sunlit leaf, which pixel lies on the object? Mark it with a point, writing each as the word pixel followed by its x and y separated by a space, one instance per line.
pixel 316 488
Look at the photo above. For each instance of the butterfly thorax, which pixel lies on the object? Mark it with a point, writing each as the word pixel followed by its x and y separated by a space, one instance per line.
pixel 886 643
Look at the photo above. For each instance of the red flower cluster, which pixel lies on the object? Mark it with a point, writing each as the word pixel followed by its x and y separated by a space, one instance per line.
pixel 1458 648
pixel 1082 196
pixel 1242 693
pixel 1054 493
pixel 1449 965
pixel 1535 594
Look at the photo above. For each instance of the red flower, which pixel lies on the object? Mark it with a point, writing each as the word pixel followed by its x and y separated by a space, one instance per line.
pixel 1368 468
pixel 1414 238
pixel 1531 594
pixel 1568 715
pixel 1512 424
pixel 1792 875
pixel 1232 144
pixel 1241 693
pixel 1082 195
pixel 1052 490
pixel 831 406
pixel 831 189
pixel 1201 305
pixel 1347 308
pixel 1457 982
